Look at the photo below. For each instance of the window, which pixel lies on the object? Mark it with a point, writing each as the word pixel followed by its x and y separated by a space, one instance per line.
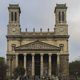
pixel 63 16
pixel 13 46
pixel 15 16
pixel 11 16
pixel 59 16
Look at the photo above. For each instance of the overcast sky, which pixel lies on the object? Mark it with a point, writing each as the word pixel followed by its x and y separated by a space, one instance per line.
pixel 40 14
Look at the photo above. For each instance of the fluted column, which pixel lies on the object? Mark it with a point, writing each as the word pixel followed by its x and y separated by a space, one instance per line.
pixel 41 64
pixel 50 64
pixel 58 64
pixel 16 60
pixel 25 61
pixel 33 64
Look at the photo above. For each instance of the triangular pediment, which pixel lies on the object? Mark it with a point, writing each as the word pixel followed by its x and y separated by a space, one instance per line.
pixel 37 45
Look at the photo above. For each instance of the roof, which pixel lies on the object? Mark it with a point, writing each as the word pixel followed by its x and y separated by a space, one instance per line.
pixel 37 45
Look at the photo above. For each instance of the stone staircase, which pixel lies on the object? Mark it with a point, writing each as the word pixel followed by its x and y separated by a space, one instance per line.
pixel 38 78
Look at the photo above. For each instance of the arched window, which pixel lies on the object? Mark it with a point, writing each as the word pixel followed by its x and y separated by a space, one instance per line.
pixel 11 16
pixel 59 16
pixel 63 16
pixel 15 16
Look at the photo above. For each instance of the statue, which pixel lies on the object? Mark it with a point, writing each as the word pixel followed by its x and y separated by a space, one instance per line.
pixel 48 29
pixel 33 29
pixel 41 30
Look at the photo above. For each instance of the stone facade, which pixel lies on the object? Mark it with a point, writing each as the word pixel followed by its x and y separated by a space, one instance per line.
pixel 54 44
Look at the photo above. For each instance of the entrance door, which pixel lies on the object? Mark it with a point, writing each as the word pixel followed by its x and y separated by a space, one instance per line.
pixel 37 66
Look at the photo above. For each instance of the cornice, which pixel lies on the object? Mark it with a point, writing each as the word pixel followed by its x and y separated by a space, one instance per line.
pixel 37 36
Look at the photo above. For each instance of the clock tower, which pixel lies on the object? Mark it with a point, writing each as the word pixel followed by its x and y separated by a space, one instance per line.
pixel 14 19
pixel 61 27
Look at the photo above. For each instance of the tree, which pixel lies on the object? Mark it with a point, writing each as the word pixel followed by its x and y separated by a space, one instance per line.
pixel 3 69
pixel 19 71
pixel 74 69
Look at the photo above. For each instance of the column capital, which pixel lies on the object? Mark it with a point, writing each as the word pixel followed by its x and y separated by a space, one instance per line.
pixel 25 54
pixel 33 54
pixel 58 54
pixel 17 54
pixel 41 54
pixel 50 54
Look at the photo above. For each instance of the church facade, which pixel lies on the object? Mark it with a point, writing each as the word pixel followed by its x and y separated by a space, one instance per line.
pixel 43 54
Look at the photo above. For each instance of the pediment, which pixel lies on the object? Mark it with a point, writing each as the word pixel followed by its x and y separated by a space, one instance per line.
pixel 37 45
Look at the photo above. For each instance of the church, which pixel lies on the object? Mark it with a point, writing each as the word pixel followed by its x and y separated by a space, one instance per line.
pixel 42 54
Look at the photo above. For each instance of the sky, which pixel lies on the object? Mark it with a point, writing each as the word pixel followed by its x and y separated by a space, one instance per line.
pixel 40 14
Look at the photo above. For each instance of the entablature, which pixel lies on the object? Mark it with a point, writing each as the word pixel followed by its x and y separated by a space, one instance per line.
pixel 34 36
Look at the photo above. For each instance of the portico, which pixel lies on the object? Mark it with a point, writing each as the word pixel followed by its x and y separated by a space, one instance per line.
pixel 41 60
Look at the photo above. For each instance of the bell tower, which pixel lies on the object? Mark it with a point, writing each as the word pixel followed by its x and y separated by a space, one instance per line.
pixel 14 19
pixel 61 27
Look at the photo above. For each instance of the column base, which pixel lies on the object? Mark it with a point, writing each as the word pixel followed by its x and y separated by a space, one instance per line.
pixel 45 77
pixel 33 77
pixel 64 78
pixel 42 77
pixel 50 77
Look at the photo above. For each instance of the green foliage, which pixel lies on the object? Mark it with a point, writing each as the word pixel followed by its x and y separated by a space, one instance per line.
pixel 3 68
pixel 74 68
pixel 1 59
pixel 19 71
